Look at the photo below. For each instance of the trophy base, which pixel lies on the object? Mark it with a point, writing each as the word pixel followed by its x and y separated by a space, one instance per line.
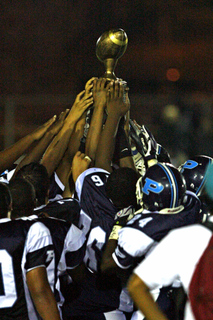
pixel 109 76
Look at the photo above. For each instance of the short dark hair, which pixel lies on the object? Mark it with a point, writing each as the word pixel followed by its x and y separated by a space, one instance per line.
pixel 5 200
pixel 121 187
pixel 23 197
pixel 36 174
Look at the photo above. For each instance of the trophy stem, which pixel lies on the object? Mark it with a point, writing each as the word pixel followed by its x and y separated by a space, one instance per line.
pixel 110 65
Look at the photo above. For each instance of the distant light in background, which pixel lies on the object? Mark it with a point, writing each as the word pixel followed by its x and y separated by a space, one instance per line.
pixel 171 113
pixel 172 74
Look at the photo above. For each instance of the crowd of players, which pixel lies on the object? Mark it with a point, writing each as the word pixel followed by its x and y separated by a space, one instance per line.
pixel 84 201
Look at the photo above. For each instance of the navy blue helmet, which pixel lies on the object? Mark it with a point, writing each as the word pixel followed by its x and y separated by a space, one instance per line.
pixel 161 187
pixel 194 172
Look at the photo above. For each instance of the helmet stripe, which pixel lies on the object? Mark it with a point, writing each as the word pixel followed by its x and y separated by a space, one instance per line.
pixel 204 179
pixel 173 185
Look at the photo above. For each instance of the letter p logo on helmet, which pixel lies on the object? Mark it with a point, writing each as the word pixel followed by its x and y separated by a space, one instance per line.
pixel 152 186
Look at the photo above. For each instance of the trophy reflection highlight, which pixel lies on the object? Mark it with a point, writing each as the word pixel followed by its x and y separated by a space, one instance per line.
pixel 110 47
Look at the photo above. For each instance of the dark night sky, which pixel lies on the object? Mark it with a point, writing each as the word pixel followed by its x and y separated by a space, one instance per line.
pixel 48 48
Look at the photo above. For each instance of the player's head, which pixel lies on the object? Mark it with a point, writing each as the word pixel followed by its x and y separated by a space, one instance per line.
pixel 5 200
pixel 194 172
pixel 161 187
pixel 37 175
pixel 121 187
pixel 23 197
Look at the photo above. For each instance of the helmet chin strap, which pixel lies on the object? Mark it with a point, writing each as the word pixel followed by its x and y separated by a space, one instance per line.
pixel 171 210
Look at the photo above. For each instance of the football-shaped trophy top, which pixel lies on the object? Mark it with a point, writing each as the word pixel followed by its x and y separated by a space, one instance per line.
pixel 110 47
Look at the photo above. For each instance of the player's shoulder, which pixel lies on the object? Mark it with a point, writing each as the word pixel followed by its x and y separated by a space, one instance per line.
pixel 91 172
pixel 17 224
pixel 67 201
pixel 36 227
pixel 62 203
pixel 67 209
pixel 142 217
pixel 91 180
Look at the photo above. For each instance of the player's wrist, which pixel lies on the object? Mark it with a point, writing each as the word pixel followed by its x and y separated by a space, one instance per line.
pixel 114 233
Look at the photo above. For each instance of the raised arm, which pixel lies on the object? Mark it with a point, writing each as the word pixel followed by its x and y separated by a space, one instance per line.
pixel 63 170
pixel 123 152
pixel 117 107
pixel 13 153
pixel 100 89
pixel 37 152
pixel 58 146
pixel 146 145
pixel 42 294
pixel 65 167
pixel 65 164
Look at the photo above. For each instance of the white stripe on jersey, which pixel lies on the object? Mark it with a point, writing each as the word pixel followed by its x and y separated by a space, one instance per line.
pixel 38 236
pixel 75 239
pixel 127 242
pixel 58 181
pixel 7 175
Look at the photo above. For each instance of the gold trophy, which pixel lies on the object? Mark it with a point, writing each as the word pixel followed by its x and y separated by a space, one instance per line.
pixel 110 47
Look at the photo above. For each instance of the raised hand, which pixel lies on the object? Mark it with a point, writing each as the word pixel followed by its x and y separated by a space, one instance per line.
pixel 80 163
pixel 38 133
pixel 144 141
pixel 82 102
pixel 58 124
pixel 100 89
pixel 117 101
pixel 121 219
pixel 89 85
pixel 124 215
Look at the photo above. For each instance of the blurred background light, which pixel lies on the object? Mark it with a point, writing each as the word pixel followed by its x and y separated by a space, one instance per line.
pixel 172 74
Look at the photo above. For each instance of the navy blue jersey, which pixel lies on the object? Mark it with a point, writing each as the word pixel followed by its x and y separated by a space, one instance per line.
pixel 24 245
pixel 67 239
pixel 96 220
pixel 142 233
pixel 67 209
pixel 69 248
pixel 97 213
pixel 147 228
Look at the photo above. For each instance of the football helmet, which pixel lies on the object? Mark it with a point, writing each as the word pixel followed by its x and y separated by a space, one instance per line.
pixel 194 172
pixel 161 187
